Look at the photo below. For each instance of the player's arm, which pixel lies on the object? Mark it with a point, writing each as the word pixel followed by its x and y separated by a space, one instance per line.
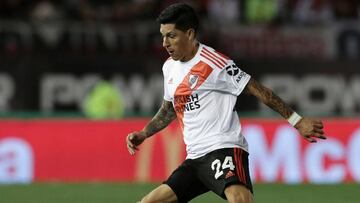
pixel 308 128
pixel 163 118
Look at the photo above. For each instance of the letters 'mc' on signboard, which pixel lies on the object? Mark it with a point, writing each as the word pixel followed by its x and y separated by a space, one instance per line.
pixel 284 157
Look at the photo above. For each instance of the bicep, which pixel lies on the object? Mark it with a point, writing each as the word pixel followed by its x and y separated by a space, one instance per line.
pixel 168 107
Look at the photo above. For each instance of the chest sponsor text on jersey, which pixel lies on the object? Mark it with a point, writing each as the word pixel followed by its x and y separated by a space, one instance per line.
pixel 184 103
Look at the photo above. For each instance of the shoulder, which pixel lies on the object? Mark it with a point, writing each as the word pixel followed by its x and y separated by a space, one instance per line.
pixel 214 59
pixel 167 64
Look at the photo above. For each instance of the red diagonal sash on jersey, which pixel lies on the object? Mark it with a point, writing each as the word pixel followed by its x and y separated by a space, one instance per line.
pixel 201 72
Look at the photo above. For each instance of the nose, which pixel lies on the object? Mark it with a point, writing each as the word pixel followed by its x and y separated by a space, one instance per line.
pixel 165 42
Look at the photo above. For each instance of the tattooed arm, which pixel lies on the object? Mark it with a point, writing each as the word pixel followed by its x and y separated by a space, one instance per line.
pixel 269 98
pixel 163 118
pixel 308 128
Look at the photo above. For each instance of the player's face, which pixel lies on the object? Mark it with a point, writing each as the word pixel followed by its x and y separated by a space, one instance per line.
pixel 176 42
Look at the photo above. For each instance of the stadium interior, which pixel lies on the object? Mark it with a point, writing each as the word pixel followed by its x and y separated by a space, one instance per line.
pixel 76 76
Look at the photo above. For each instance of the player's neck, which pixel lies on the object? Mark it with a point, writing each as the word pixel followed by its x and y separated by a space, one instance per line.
pixel 192 52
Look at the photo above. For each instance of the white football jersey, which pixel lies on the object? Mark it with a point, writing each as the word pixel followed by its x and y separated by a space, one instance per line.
pixel 203 92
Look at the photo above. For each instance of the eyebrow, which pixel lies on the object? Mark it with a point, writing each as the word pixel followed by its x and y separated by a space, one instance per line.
pixel 169 33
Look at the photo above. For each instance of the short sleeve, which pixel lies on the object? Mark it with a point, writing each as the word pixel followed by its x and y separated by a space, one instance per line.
pixel 167 96
pixel 231 79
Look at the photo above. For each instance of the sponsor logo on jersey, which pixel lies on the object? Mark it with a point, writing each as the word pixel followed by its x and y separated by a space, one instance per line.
pixel 229 174
pixel 184 103
pixel 234 71
pixel 238 78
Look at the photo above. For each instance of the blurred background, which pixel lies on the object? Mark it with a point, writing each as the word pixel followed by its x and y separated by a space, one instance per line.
pixel 76 76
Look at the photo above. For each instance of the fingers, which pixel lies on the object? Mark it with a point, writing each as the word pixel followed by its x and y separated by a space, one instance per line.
pixel 317 121
pixel 319 135
pixel 319 125
pixel 322 137
pixel 309 139
pixel 131 151
pixel 318 130
pixel 130 146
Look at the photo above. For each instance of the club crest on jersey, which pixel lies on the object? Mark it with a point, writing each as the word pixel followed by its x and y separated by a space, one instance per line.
pixel 193 80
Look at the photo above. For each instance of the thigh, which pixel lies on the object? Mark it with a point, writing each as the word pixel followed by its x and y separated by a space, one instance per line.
pixel 239 194
pixel 223 168
pixel 185 183
pixel 163 193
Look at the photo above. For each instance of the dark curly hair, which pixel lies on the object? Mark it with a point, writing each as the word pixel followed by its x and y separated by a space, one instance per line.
pixel 182 15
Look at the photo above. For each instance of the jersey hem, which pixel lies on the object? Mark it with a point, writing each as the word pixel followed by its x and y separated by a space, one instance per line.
pixel 216 148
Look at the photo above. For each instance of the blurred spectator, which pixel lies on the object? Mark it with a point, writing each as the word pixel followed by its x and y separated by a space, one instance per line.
pixel 200 6
pixel 312 12
pixel 45 10
pixel 47 20
pixel 86 11
pixel 134 10
pixel 110 10
pixel 224 11
pixel 104 101
pixel 14 9
pixel 346 9
pixel 262 11
pixel 305 12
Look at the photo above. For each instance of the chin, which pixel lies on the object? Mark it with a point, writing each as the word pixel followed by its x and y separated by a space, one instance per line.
pixel 175 58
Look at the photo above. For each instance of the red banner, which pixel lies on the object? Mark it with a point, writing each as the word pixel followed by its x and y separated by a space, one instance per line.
pixel 81 150
pixel 279 154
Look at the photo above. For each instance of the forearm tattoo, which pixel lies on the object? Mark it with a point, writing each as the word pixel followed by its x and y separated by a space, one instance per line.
pixel 163 118
pixel 269 98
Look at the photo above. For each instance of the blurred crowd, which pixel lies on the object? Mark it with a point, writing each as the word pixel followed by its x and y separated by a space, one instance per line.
pixel 302 12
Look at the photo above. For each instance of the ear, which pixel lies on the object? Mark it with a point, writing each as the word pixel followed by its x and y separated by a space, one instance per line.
pixel 191 34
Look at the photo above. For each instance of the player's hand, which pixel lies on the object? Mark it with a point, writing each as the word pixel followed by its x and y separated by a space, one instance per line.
pixel 310 129
pixel 133 140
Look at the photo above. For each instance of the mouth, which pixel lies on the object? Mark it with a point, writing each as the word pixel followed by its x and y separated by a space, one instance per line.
pixel 171 52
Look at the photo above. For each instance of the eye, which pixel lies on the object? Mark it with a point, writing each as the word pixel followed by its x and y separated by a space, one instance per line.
pixel 172 35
